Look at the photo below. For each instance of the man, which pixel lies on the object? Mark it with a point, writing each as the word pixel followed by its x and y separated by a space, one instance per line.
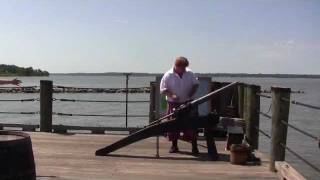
pixel 13 82
pixel 179 85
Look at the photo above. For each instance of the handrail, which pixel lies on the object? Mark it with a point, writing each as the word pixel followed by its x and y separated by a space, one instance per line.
pixel 102 101
pixel 314 167
pixel 301 131
pixel 96 115
pixel 302 104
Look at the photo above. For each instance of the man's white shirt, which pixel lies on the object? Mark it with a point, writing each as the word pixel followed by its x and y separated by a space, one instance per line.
pixel 179 86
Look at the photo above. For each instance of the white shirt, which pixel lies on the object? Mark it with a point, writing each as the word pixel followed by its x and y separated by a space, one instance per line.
pixel 179 86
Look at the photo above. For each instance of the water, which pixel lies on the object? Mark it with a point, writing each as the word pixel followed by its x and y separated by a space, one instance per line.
pixel 301 117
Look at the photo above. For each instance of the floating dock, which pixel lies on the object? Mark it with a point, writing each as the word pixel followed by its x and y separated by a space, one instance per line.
pixel 72 157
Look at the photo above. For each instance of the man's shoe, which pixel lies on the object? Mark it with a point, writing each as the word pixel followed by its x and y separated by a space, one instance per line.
pixel 174 149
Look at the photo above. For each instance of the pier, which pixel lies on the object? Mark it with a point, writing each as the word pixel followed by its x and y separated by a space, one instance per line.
pixel 71 156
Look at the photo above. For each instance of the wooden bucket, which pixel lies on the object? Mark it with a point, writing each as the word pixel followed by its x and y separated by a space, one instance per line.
pixel 239 154
pixel 16 156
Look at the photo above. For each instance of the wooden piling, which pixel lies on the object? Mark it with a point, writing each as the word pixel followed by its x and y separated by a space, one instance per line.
pixel 280 112
pixel 251 114
pixel 46 106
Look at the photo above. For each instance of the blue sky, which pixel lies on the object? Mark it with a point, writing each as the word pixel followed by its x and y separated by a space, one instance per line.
pixel 247 36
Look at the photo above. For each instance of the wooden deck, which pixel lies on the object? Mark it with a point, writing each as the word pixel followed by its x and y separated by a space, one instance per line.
pixel 71 157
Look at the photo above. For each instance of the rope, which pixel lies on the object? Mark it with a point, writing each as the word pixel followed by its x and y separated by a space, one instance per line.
pixel 95 115
pixel 265 96
pixel 301 131
pixel 263 132
pixel 265 115
pixel 69 87
pixel 77 100
pixel 19 112
pixel 18 100
pixel 302 104
pixel 301 158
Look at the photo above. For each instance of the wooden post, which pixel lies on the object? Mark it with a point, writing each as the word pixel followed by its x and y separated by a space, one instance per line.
pixel 251 114
pixel 127 92
pixel 152 106
pixel 280 112
pixel 240 99
pixel 152 112
pixel 45 106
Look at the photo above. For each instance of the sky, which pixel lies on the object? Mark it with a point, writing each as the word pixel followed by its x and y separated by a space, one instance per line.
pixel 217 36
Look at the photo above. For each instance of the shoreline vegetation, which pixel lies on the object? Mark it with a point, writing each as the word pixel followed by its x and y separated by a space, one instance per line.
pixel 13 70
pixel 258 75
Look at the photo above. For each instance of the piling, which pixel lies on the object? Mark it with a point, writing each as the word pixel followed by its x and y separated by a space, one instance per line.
pixel 46 106
pixel 251 114
pixel 280 112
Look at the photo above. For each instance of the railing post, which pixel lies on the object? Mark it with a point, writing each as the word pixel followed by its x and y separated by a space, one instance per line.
pixel 152 112
pixel 127 92
pixel 251 114
pixel 152 102
pixel 45 106
pixel 240 99
pixel 280 112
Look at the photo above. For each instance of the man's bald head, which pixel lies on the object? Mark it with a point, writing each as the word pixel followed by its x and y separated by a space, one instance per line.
pixel 181 62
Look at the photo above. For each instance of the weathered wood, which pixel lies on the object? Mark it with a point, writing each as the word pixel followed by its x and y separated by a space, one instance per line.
pixel 240 99
pixel 251 114
pixel 98 130
pixel 24 127
pixel 61 157
pixel 46 106
pixel 183 122
pixel 152 106
pixel 17 160
pixel 285 171
pixel 65 128
pixel 280 112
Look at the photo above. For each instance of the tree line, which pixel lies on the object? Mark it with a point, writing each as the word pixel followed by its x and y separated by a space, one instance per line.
pixel 13 70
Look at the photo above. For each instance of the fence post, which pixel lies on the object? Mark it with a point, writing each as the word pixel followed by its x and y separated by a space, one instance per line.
pixel 240 99
pixel 280 112
pixel 127 92
pixel 45 106
pixel 152 102
pixel 251 114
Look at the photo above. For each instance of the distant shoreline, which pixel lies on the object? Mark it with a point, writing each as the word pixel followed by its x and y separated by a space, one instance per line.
pixel 310 76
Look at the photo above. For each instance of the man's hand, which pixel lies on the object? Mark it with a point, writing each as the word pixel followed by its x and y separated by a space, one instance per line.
pixel 16 82
pixel 171 95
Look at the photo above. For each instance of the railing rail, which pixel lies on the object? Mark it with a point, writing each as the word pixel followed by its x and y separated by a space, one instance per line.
pixel 281 100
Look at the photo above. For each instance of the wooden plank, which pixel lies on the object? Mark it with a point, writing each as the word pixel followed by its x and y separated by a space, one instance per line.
pixel 65 128
pixel 93 129
pixel 285 171
pixel 71 157
pixel 24 127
